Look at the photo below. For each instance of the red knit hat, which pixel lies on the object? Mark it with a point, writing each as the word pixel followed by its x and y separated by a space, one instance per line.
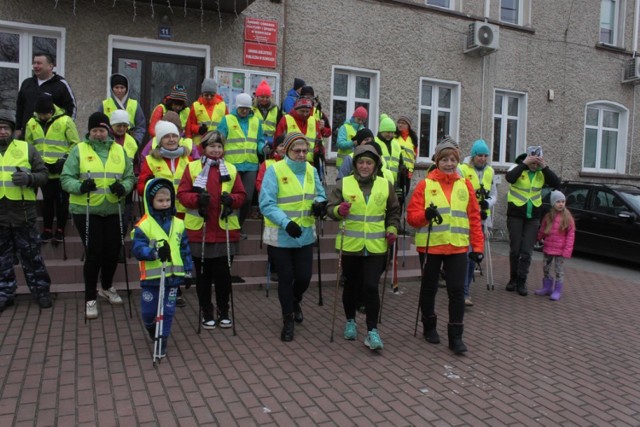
pixel 263 89
pixel 361 113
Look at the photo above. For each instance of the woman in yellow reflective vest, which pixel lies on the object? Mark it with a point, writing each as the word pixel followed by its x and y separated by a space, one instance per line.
pixel 367 205
pixel 291 196
pixel 445 211
pixel 212 192
pixel 120 101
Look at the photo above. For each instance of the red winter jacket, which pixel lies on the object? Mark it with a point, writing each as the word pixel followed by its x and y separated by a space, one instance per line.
pixel 558 243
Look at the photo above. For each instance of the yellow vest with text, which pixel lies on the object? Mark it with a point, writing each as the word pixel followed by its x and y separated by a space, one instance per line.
pixel 109 106
pixel 212 121
pixel 130 146
pixel 54 145
pixel 524 189
pixel 392 159
pixel 408 153
pixel 160 169
pixel 344 152
pixel 192 219
pixel 153 269
pixel 454 229
pixel 91 166
pixel 311 135
pixel 241 148
pixel 364 226
pixel 294 199
pixel 269 123
pixel 471 174
pixel 17 155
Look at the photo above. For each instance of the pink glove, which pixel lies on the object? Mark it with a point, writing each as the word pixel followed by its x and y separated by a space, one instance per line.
pixel 344 208
pixel 391 238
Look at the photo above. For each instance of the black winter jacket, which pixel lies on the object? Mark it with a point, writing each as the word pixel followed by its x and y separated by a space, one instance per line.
pixel 59 89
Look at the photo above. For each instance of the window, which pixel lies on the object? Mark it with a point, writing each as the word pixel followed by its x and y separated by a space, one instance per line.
pixel 18 43
pixel 509 126
pixel 517 12
pixel 439 114
pixel 605 137
pixel 611 22
pixel 351 89
pixel 446 4
pixel 232 82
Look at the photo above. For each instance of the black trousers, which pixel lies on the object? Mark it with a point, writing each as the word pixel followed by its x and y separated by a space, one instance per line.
pixel 216 271
pixel 456 268
pixel 362 275
pixel 294 267
pixel 101 255
pixel 55 203
pixel 522 237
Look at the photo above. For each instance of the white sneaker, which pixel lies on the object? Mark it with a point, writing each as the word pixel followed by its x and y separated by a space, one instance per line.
pixel 110 295
pixel 208 324
pixel 92 309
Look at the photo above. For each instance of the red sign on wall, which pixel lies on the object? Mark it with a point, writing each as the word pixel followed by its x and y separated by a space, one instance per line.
pixel 260 30
pixel 260 55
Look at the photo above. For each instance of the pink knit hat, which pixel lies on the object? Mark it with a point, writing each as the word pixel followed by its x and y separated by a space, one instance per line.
pixel 361 113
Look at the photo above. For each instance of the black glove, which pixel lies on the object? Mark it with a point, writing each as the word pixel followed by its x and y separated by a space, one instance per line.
pixel 226 211
pixel 21 178
pixel 117 189
pixel 55 168
pixel 484 204
pixel 293 230
pixel 88 185
pixel 203 129
pixel 204 199
pixel 164 251
pixel 476 257
pixel 203 213
pixel 188 280
pixel 226 199
pixel 483 215
pixel 319 209
pixel 432 214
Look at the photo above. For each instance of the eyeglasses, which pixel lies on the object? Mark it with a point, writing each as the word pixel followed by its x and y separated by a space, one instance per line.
pixel 300 151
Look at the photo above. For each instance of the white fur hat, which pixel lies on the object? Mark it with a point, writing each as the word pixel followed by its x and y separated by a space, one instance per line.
pixel 164 128
pixel 119 117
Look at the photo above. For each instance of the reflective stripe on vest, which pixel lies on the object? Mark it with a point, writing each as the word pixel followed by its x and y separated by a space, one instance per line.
pixel 364 226
pixel 153 269
pixel 292 198
pixel 344 152
pixel 212 121
pixel 454 229
pixel 91 166
pixel 471 174
pixel 311 134
pixel 160 169
pixel 524 189
pixel 16 156
pixel 54 145
pixel 392 159
pixel 241 148
pixel 109 106
pixel 408 152
pixel 269 123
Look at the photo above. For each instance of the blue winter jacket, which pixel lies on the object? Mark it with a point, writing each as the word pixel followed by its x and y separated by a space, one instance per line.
pixel 223 128
pixel 290 100
pixel 343 142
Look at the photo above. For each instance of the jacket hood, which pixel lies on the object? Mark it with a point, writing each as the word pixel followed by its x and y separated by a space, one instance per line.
pixel 150 190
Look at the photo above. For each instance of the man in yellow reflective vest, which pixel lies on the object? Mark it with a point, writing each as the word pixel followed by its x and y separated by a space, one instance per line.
pixel 206 113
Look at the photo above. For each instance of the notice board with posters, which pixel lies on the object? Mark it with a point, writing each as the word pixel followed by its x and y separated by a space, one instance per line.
pixel 234 81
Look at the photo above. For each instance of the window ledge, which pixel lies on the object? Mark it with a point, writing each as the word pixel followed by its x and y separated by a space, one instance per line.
pixel 615 49
pixel 625 177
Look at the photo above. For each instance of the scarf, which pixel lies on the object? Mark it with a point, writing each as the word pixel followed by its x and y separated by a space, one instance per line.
pixel 404 133
pixel 201 179
pixel 168 154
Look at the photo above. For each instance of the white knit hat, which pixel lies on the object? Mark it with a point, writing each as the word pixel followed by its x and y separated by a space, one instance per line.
pixel 555 196
pixel 164 128
pixel 243 100
pixel 119 117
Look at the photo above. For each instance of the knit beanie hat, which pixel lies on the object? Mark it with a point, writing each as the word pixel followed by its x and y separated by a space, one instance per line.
pixel 446 148
pixel 243 101
pixel 178 93
pixel 119 117
pixel 263 89
pixel 8 117
pixel 209 86
pixel 306 91
pixel 362 134
pixel 386 124
pixel 119 79
pixel 447 138
pixel 44 104
pixel 555 196
pixel 302 103
pixel 479 147
pixel 361 113
pixel 405 119
pixel 292 138
pixel 164 128
pixel 99 120
pixel 298 83
pixel 157 184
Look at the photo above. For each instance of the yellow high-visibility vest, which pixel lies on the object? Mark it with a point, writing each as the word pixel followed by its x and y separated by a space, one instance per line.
pixel 160 169
pixel 294 199
pixel 524 189
pixel 16 156
pixel 392 159
pixel 212 121
pixel 239 147
pixel 104 175
pixel 469 172
pixel 109 106
pixel 311 134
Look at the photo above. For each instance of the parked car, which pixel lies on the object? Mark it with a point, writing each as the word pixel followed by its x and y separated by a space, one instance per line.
pixel 607 218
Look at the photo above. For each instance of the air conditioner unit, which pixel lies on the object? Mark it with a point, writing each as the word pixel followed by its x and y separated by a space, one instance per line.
pixel 631 73
pixel 482 39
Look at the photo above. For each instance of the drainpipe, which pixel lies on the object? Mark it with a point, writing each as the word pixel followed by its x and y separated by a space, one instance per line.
pixel 284 43
pixel 486 9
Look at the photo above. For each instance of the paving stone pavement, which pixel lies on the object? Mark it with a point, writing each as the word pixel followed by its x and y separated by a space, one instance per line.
pixel 530 362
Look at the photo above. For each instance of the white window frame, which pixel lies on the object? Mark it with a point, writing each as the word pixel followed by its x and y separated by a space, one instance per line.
pixel 521 143
pixel 351 100
pixel 454 114
pixel 524 13
pixel 231 100
pixel 26 33
pixel 453 4
pixel 618 23
pixel 621 147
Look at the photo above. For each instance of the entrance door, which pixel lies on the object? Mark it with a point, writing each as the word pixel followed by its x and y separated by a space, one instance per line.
pixel 152 75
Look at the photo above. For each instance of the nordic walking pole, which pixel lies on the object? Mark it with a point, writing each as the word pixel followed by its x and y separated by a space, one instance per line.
pixel 124 257
pixel 86 232
pixel 268 276
pixel 233 315
pixel 384 281
pixel 338 274
pixel 395 269
pixel 157 342
pixel 201 274
pixel 487 251
pixel 320 302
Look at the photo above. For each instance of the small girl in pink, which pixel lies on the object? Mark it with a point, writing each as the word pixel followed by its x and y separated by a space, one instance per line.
pixel 558 231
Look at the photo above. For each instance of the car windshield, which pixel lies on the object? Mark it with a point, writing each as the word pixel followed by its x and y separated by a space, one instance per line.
pixel 632 199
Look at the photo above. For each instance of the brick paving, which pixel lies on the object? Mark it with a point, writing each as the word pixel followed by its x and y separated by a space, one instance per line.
pixel 530 362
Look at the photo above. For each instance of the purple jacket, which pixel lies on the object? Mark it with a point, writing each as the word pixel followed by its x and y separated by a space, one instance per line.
pixel 558 243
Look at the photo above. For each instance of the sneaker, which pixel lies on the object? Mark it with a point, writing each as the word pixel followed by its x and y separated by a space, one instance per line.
pixel 468 302
pixel 46 235
pixel 224 321
pixel 243 236
pixel 59 236
pixel 373 340
pixel 92 309
pixel 180 302
pixel 44 301
pixel 350 330
pixel 110 295
pixel 208 324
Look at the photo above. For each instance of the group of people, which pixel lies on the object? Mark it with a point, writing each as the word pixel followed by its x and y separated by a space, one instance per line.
pixel 197 175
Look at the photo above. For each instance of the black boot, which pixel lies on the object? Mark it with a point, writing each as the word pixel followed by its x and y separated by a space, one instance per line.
pixel 454 330
pixel 287 329
pixel 511 286
pixel 297 312
pixel 151 330
pixel 521 286
pixel 429 330
pixel 44 298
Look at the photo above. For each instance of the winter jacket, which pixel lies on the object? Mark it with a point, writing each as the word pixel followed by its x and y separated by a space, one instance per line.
pixel 71 182
pixel 528 210
pixel 416 213
pixel 269 204
pixel 138 126
pixel 144 250
pixel 344 142
pixel 289 101
pixel 60 92
pixel 557 242
pixel 223 128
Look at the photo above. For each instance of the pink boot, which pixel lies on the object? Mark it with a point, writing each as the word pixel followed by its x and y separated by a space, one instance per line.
pixel 547 287
pixel 557 292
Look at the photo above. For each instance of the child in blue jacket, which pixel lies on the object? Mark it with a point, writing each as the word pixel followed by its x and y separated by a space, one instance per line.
pixel 157 238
